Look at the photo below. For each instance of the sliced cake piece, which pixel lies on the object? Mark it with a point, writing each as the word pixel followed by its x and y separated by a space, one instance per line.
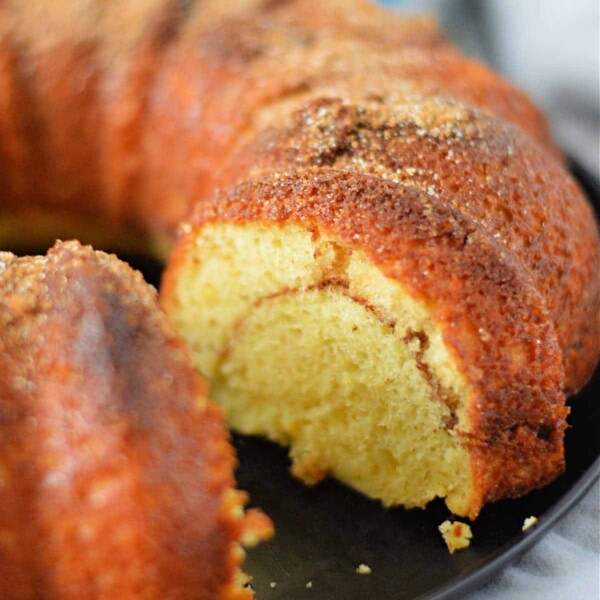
pixel 115 468
pixel 383 336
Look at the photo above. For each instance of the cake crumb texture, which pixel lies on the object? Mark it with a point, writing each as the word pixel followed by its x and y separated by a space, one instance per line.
pixel 457 535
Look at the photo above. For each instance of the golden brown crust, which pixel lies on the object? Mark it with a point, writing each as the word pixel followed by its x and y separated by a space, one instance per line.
pixel 131 80
pixel 260 59
pixel 490 313
pixel 18 152
pixel 114 467
pixel 316 44
pixel 53 117
pixel 79 75
pixel 490 171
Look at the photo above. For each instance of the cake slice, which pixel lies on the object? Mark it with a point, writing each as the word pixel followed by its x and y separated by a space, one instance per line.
pixel 115 468
pixel 381 335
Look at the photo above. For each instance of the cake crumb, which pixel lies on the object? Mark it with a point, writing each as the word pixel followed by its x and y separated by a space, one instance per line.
pixel 308 469
pixel 309 585
pixel 257 528
pixel 363 569
pixel 529 522
pixel 273 585
pixel 457 535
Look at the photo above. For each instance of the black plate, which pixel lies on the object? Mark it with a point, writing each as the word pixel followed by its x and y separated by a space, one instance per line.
pixel 324 533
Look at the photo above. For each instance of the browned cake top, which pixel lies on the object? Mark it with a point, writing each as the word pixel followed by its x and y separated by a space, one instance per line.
pixel 261 59
pixel 106 437
pixel 289 48
pixel 92 93
pixel 488 170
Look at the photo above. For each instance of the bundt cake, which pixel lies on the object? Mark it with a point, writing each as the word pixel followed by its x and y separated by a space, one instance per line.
pixel 380 258
pixel 115 470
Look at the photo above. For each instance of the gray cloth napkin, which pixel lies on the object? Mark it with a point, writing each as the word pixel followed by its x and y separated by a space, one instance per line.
pixel 564 565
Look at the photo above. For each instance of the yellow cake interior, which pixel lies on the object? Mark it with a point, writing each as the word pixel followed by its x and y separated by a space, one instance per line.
pixel 305 342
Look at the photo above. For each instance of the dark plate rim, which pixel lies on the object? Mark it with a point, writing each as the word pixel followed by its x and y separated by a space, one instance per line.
pixel 511 550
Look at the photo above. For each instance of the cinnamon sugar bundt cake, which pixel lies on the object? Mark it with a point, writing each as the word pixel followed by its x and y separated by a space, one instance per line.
pixel 115 470
pixel 381 260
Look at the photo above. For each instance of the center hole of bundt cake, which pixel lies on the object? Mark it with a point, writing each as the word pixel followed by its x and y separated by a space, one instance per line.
pixel 33 232
pixel 308 344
